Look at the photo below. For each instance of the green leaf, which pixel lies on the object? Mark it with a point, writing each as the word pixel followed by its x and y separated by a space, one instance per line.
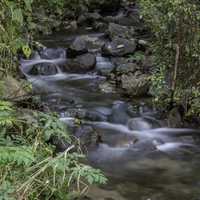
pixel 17 15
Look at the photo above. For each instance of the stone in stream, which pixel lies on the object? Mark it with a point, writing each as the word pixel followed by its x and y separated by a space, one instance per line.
pixel 50 53
pixel 119 113
pixel 78 47
pixel 119 47
pixel 104 66
pixel 44 69
pixel 82 63
pixel 116 30
pixel 89 18
pixel 135 84
pixel 138 124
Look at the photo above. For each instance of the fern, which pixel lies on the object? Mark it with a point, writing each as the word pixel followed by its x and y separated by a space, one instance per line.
pixel 16 155
pixel 7 114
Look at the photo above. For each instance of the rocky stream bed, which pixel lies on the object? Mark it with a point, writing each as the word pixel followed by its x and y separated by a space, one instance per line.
pixel 96 76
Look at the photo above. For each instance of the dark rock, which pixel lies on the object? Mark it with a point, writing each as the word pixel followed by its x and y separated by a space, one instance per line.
pixel 104 66
pixel 116 30
pixel 119 47
pixel 93 115
pixel 78 47
pixel 50 53
pixel 138 124
pixel 135 84
pixel 60 144
pixel 104 5
pixel 44 69
pixel 85 134
pixel 119 113
pixel 174 118
pixel 81 63
pixel 127 68
pixel 71 26
pixel 89 18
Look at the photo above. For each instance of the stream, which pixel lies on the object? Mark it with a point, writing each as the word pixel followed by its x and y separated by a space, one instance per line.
pixel 143 158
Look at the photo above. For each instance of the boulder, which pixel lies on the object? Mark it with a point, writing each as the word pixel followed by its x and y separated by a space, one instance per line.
pixel 135 84
pixel 119 113
pixel 82 63
pixel 138 124
pixel 119 47
pixel 174 118
pixel 116 30
pixel 50 53
pixel 78 47
pixel 11 88
pixel 127 68
pixel 104 66
pixel 89 18
pixel 44 69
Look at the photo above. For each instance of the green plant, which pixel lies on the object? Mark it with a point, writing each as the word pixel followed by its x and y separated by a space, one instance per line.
pixel 176 35
pixel 29 166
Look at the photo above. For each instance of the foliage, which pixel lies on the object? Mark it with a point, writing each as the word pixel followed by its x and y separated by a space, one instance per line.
pixel 176 28
pixel 29 166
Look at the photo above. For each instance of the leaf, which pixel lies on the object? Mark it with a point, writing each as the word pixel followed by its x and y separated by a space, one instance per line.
pixel 27 51
pixel 28 4
pixel 17 15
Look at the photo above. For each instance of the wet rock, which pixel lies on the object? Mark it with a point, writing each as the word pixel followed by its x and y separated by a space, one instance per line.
pixel 104 66
pixel 94 115
pixel 89 18
pixel 127 68
pixel 119 113
pixel 78 47
pixel 50 53
pixel 107 88
pixel 116 30
pixel 135 84
pixel 71 26
pixel 119 47
pixel 174 118
pixel 44 69
pixel 85 134
pixel 138 124
pixel 82 63
pixel 60 144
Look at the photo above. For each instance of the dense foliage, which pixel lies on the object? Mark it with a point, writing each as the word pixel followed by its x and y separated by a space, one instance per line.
pixel 176 28
pixel 29 166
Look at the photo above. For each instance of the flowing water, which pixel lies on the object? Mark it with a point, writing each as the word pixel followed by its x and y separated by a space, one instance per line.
pixel 143 159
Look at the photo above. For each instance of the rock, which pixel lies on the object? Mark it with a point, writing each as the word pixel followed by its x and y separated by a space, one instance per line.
pixel 127 68
pixel 85 134
pixel 174 118
pixel 11 88
pixel 82 63
pixel 50 53
pixel 44 69
pixel 138 124
pixel 135 84
pixel 119 113
pixel 89 18
pixel 116 30
pixel 104 66
pixel 78 47
pixel 107 88
pixel 119 47
pixel 71 26
pixel 94 115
